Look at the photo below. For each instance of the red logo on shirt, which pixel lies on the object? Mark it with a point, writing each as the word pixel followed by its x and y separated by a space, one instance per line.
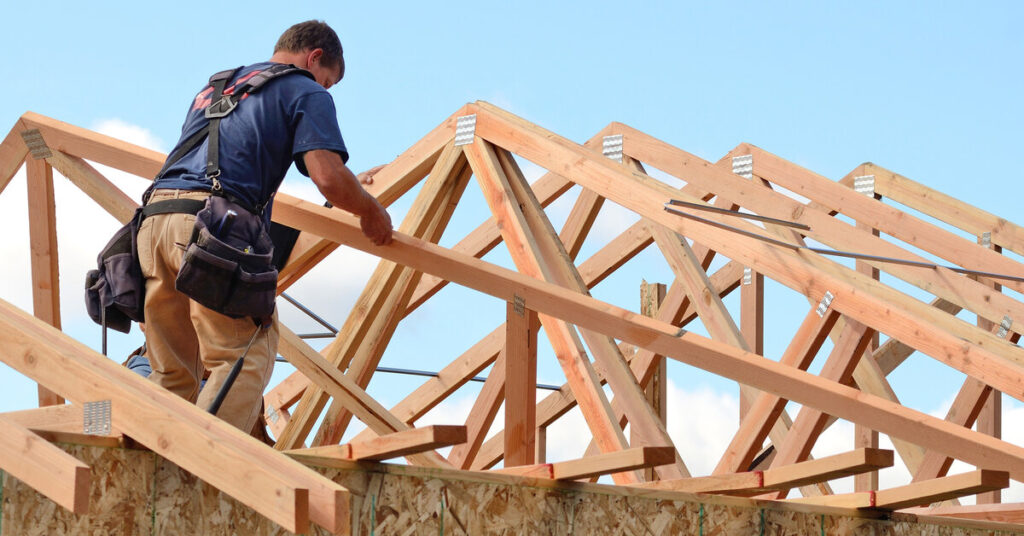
pixel 203 99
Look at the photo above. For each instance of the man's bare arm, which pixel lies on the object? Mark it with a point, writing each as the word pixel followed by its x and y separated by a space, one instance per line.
pixel 340 186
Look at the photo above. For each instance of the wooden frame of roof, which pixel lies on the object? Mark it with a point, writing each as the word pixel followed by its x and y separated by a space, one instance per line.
pixel 600 347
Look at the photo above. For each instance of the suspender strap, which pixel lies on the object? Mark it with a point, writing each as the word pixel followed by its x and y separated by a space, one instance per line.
pixel 173 206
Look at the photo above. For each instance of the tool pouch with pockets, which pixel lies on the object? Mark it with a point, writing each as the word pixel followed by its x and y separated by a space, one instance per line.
pixel 115 291
pixel 229 270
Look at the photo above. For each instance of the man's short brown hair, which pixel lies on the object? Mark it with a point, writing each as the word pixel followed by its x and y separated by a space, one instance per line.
pixel 310 35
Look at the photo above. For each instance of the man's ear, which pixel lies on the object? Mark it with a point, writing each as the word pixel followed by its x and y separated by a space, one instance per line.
pixel 314 55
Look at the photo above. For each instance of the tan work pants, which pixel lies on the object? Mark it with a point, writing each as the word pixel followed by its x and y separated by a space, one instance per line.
pixel 184 337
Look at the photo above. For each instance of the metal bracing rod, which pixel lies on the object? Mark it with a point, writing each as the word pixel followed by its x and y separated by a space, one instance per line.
pixel 847 254
pixel 311 314
pixel 738 214
pixel 427 373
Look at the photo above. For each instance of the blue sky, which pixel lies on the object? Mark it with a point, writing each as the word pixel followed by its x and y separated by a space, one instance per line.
pixel 929 90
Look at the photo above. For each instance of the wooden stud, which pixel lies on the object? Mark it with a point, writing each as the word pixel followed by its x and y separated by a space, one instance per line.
pixel 864 437
pixel 752 320
pixel 652 295
pixel 46 468
pixel 42 229
pixel 990 419
pixel 521 327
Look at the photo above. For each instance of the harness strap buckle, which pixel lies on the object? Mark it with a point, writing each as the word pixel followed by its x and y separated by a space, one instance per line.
pixel 224 106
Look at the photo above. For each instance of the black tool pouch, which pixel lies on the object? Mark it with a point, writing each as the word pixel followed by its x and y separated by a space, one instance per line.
pixel 115 291
pixel 229 271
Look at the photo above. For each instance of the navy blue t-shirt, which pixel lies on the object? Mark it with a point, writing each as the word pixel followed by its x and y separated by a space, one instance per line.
pixel 269 129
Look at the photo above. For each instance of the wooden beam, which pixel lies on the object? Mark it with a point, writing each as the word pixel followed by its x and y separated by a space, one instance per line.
pixel 798 474
pixel 663 338
pixel 44 467
pixel 346 392
pixel 117 203
pixel 63 424
pixel 1005 512
pixel 990 419
pixel 386 447
pixel 481 415
pixel 939 489
pixel 580 221
pixel 752 320
pixel 280 489
pixel 521 327
pixel 600 464
pixel 652 295
pixel 12 154
pixel 42 230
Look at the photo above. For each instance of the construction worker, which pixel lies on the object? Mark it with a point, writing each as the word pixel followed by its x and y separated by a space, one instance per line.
pixel 291 118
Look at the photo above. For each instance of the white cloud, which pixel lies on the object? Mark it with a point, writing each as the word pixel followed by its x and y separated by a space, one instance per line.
pixel 128 132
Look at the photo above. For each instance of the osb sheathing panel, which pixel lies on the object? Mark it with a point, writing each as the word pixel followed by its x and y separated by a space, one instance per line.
pixel 127 484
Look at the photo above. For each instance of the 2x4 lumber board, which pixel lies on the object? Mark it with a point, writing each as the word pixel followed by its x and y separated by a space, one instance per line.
pixel 1005 512
pixel 893 353
pixel 385 447
pixel 428 217
pixel 282 490
pixel 863 436
pixel 450 378
pixel 747 441
pixel 481 415
pixel 117 203
pixel 368 309
pixel 950 340
pixel 42 231
pixel 346 392
pixel 616 372
pixel 525 252
pixel 100 148
pixel 946 208
pixel 580 221
pixel 13 152
pixel 521 327
pixel 663 338
pixel 652 295
pixel 46 468
pixel 990 419
pixel 964 411
pixel 597 465
pixel 929 491
pixel 877 215
pixel 62 423
pixel 752 319
pixel 798 474
pixel 810 422
pixel 941 282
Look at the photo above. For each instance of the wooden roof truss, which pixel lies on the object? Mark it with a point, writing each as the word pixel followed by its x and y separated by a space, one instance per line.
pixel 593 341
